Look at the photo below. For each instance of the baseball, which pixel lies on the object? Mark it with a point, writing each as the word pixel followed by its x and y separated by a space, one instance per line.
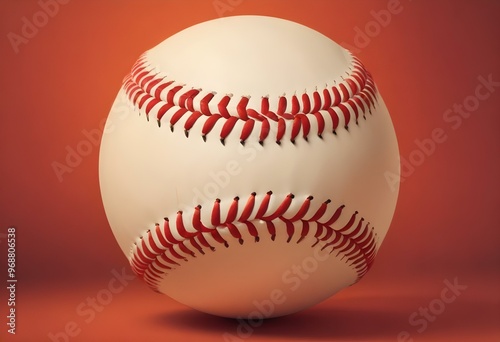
pixel 242 168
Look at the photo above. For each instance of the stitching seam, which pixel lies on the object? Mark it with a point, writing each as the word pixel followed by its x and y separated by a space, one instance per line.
pixel 168 100
pixel 159 250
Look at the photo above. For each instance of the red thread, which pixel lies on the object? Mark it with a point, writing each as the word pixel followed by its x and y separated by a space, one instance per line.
pixel 152 93
pixel 151 85
pixel 344 92
pixel 264 130
pixel 160 236
pixel 264 105
pixel 204 104
pixel 360 104
pixel 360 79
pixel 317 102
pixel 233 230
pixel 160 89
pixel 217 237
pixel 295 105
pixel 163 110
pixel 335 216
pixel 334 117
pixel 190 94
pixel 253 114
pixel 327 99
pixel 366 100
pixel 336 96
pixel 252 230
pixel 147 252
pixel 210 123
pixel 352 85
pixel 143 99
pixel 180 226
pixel 228 127
pixel 195 244
pixel 306 103
pixel 303 209
pixel 153 245
pixel 136 96
pixel 222 106
pixel 295 128
pixel 290 229
pixel 271 229
pixel 177 116
pixel 346 113
pixel 281 105
pixel 281 130
pixel 233 211
pixel 171 93
pixel 242 108
pixel 139 76
pixel 269 115
pixel 247 211
pixel 196 222
pixel 215 218
pixel 247 130
pixel 264 205
pixel 174 253
pixel 306 125
pixel 320 212
pixel 144 81
pixel 351 103
pixel 321 123
pixel 281 209
pixel 288 116
pixel 163 257
pixel 204 242
pixel 192 120
pixel 304 232
pixel 168 233
pixel 151 104
pixel 158 252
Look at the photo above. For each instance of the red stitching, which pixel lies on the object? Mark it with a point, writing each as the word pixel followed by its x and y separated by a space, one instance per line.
pixel 158 251
pixel 242 108
pixel 246 130
pixel 306 104
pixel 191 120
pixel 265 128
pixel 154 93
pixel 226 129
pixel 222 106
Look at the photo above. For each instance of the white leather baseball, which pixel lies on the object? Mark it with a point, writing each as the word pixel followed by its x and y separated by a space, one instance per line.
pixel 242 167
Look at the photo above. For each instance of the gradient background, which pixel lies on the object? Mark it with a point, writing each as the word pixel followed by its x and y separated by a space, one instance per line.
pixel 446 226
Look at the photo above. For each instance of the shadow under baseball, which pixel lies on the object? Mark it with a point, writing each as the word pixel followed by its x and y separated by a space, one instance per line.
pixel 364 318
pixel 320 323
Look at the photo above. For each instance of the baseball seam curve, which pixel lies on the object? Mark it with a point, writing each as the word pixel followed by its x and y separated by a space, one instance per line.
pixel 160 249
pixel 169 100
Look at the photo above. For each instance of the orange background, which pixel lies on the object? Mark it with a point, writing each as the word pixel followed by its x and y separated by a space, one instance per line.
pixel 62 81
